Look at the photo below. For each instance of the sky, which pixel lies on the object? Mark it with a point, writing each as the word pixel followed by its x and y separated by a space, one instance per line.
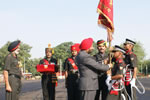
pixel 39 22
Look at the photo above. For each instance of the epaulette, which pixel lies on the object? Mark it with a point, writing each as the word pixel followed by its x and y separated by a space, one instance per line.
pixel 133 53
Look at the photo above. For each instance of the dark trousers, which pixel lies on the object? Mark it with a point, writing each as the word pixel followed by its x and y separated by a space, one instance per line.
pixel 73 93
pixel 15 84
pixel 87 94
pixel 48 87
pixel 131 93
pixel 103 89
pixel 117 97
pixel 113 97
pixel 122 95
pixel 72 87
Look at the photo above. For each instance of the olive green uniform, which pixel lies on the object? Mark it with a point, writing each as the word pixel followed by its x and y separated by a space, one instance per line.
pixel 131 59
pixel 116 70
pixel 103 89
pixel 14 77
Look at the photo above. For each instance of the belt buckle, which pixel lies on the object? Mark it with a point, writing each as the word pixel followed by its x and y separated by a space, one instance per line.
pixel 74 71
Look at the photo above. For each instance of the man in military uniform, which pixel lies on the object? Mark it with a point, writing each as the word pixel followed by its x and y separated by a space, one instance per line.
pixel 49 79
pixel 71 74
pixel 117 75
pixel 88 80
pixel 131 60
pixel 12 72
pixel 101 56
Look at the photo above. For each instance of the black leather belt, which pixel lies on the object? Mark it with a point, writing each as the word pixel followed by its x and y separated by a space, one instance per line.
pixel 47 73
pixel 73 72
pixel 16 76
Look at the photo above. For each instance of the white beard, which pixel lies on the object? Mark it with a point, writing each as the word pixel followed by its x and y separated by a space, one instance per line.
pixel 16 52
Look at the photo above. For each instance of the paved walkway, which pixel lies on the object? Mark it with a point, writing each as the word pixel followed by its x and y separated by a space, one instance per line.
pixel 37 95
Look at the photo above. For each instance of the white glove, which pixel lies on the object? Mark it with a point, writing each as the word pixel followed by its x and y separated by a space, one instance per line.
pixel 132 82
pixel 108 81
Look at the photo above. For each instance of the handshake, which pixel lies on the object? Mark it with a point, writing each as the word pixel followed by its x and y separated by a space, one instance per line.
pixel 110 66
pixel 106 61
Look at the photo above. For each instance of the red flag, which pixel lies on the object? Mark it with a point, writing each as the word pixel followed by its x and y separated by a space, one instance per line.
pixel 105 10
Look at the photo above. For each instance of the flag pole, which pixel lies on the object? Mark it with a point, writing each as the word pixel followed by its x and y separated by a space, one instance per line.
pixel 109 38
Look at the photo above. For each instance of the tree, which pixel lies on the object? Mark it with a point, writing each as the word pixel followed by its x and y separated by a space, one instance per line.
pixel 3 53
pixel 31 66
pixel 62 51
pixel 139 51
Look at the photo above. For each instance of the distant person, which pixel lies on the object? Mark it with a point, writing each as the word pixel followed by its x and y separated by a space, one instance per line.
pixel 88 67
pixel 71 74
pixel 49 79
pixel 12 72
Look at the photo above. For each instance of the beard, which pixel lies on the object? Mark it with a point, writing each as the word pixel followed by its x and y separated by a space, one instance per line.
pixel 16 52
pixel 90 51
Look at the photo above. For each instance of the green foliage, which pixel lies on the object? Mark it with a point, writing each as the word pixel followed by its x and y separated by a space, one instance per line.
pixel 62 51
pixel 24 52
pixel 3 53
pixel 145 67
pixel 95 49
pixel 139 51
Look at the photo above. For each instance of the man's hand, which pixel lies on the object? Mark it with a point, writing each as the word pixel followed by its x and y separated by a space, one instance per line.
pixel 110 65
pixel 106 61
pixel 108 81
pixel 8 88
pixel 109 72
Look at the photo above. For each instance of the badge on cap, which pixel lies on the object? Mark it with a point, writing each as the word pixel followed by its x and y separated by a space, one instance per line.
pixel 49 45
pixel 121 67
pixel 132 58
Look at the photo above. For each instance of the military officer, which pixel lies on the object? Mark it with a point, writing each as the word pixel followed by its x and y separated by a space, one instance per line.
pixel 71 74
pixel 101 56
pixel 117 74
pixel 12 72
pixel 131 60
pixel 88 80
pixel 49 79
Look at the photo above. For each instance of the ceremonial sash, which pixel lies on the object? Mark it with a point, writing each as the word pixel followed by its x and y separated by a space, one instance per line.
pixel 128 77
pixel 128 74
pixel 73 63
pixel 45 61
